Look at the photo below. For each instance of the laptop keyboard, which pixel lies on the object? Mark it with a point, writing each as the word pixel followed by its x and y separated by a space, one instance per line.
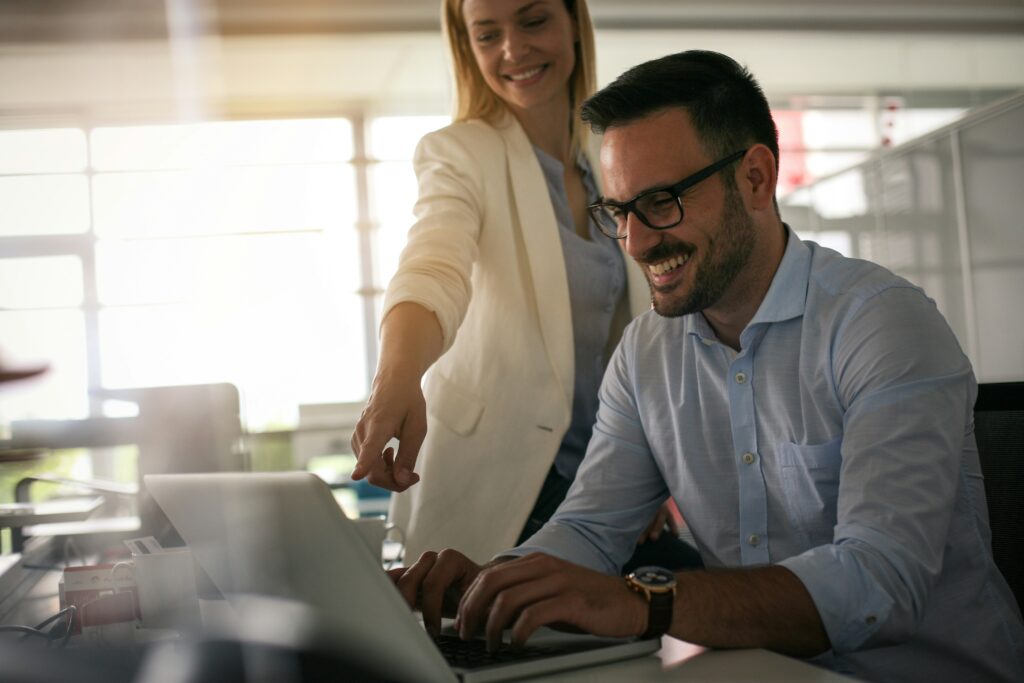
pixel 473 654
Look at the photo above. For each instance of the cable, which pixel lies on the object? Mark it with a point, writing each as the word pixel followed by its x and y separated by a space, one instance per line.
pixel 53 633
pixel 63 630
pixel 27 630
pixel 60 630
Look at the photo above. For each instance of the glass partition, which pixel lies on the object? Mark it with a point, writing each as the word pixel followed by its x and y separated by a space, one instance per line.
pixel 944 211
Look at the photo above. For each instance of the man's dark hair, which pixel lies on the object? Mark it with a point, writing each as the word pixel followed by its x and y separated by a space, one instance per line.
pixel 726 105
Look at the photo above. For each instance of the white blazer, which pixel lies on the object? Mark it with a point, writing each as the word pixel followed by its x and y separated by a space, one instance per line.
pixel 485 256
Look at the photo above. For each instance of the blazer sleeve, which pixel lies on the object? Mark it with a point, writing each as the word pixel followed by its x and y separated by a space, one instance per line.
pixel 436 266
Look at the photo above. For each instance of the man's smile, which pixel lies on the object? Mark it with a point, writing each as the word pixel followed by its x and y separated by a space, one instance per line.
pixel 663 267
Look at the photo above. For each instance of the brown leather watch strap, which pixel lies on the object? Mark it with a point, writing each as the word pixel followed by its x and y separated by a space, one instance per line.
pixel 658 586
pixel 659 614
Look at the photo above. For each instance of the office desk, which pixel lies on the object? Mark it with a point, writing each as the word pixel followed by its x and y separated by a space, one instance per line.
pixel 678 661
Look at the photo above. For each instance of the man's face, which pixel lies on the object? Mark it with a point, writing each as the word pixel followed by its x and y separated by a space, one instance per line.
pixel 693 265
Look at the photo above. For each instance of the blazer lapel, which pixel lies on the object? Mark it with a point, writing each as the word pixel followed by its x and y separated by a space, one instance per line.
pixel 544 252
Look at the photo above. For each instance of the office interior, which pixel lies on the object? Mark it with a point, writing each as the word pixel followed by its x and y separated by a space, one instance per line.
pixel 202 202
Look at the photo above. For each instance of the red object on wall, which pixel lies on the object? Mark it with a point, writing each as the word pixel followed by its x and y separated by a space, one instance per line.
pixel 792 157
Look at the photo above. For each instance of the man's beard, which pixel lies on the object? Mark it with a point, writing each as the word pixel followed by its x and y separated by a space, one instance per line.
pixel 727 255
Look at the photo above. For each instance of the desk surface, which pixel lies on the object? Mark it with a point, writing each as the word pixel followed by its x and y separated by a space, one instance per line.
pixel 676 661
pixel 679 661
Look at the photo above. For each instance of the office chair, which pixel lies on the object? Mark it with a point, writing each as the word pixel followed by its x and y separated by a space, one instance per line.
pixel 999 430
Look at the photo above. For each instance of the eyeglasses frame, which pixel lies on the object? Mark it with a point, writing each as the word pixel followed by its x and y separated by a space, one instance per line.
pixel 676 190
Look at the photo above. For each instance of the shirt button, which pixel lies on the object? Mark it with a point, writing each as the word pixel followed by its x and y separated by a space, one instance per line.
pixel 708 342
pixel 753 539
pixel 748 458
pixel 871 619
pixel 741 377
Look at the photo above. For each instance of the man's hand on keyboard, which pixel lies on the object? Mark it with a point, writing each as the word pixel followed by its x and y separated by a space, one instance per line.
pixel 434 585
pixel 539 590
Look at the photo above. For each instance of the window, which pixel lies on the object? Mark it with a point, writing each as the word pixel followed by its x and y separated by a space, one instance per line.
pixel 834 134
pixel 393 183
pixel 252 252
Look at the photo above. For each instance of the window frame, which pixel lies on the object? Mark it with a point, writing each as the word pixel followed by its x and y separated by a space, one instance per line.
pixel 84 245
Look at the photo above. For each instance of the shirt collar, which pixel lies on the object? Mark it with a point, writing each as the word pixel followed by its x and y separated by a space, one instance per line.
pixel 787 294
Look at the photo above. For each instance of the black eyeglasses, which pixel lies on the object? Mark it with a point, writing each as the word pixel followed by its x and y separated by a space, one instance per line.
pixel 658 209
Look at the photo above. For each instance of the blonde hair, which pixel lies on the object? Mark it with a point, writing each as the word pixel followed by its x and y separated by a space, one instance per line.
pixel 474 99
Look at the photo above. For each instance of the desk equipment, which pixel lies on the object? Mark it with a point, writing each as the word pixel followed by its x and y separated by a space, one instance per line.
pixel 283 535
pixel 189 428
pixel 48 512
pixel 999 431
pixel 69 516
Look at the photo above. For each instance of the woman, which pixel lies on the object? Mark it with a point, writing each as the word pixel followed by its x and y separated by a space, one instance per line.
pixel 506 292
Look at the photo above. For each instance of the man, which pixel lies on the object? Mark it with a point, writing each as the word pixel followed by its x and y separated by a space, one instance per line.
pixel 810 414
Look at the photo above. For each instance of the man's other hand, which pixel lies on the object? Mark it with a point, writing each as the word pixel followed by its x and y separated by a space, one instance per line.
pixel 434 584
pixel 666 515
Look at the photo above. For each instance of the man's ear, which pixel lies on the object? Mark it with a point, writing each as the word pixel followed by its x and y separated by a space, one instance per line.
pixel 758 177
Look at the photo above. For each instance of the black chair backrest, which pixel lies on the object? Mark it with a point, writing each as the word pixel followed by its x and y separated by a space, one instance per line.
pixel 999 430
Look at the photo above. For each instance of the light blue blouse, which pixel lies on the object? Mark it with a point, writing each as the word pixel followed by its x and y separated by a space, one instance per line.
pixel 597 278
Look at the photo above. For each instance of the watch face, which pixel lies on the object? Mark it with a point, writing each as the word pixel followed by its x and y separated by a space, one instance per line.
pixel 654 577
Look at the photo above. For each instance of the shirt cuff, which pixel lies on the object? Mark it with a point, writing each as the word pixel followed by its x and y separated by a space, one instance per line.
pixel 851 604
pixel 565 545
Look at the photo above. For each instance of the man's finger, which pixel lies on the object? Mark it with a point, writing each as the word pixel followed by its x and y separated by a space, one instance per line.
pixel 541 613
pixel 510 602
pixel 446 572
pixel 476 602
pixel 657 528
pixel 412 579
pixel 673 525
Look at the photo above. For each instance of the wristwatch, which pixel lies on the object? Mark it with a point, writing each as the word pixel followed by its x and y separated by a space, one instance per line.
pixel 658 586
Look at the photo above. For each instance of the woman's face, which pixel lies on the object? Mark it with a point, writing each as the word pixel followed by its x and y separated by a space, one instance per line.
pixel 524 48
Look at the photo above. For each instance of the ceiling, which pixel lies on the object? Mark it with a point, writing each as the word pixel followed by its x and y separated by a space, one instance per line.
pixel 75 20
pixel 129 58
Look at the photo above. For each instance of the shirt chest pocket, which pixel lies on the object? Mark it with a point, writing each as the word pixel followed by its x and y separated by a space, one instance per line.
pixel 810 482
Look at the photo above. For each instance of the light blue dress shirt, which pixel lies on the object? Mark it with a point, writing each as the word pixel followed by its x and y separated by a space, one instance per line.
pixel 838 443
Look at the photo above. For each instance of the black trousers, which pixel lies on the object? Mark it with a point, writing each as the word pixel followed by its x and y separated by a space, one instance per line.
pixel 668 551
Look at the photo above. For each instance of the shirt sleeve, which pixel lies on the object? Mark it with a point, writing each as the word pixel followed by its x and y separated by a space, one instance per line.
pixel 436 266
pixel 908 391
pixel 618 487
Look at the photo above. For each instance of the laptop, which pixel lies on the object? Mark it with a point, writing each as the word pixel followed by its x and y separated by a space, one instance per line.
pixel 283 535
